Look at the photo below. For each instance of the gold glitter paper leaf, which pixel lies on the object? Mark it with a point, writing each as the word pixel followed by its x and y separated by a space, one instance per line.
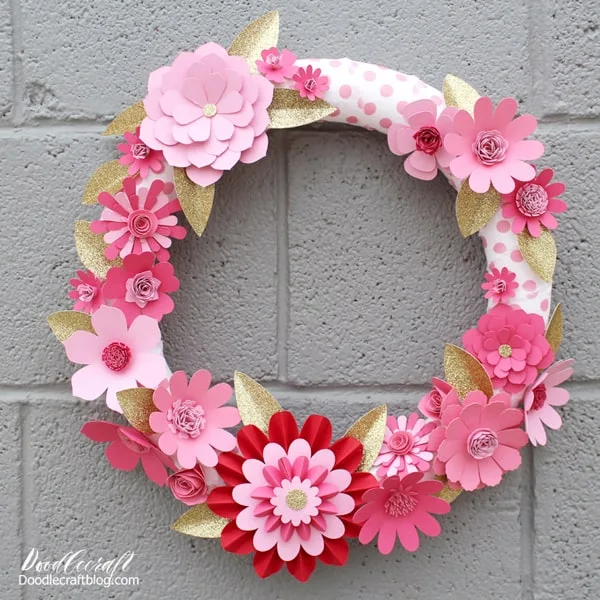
pixel 137 405
pixel 474 210
pixel 459 93
pixel 196 201
pixel 108 178
pixel 465 373
pixel 255 403
pixel 67 322
pixel 539 252
pixel 289 109
pixel 448 494
pixel 554 332
pixel 369 431
pixel 127 120
pixel 200 522
pixel 256 37
pixel 90 248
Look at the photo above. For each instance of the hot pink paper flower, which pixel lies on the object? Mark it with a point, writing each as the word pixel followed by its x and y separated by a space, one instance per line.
pixel 206 112
pixel 189 485
pixel 499 285
pixel 128 447
pixel 140 158
pixel 540 398
pixel 397 508
pixel 532 203
pixel 422 138
pixel 87 292
pixel 139 220
pixel 310 83
pixel 277 66
pixel 431 403
pixel 116 357
pixel 140 287
pixel 191 419
pixel 490 148
pixel 511 345
pixel 404 448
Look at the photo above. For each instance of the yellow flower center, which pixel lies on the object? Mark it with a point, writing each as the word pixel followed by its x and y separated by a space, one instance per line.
pixel 209 110
pixel 296 499
pixel 505 351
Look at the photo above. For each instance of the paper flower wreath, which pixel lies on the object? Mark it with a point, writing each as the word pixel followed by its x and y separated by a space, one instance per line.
pixel 286 492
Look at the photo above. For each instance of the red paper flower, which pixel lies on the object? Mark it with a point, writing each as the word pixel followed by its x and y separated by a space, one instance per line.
pixel 310 83
pixel 140 157
pixel 87 292
pixel 500 285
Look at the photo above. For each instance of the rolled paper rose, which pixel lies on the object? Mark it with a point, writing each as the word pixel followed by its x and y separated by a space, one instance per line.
pixel 189 485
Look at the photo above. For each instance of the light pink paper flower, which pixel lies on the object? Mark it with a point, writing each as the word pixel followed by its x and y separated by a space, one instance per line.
pixel 422 138
pixel 206 112
pixel 277 66
pixel 310 83
pixel 191 419
pixel 140 158
pixel 540 398
pixel 116 357
pixel 431 403
pixel 500 285
pixel 189 485
pixel 87 292
pixel 490 148
pixel 532 203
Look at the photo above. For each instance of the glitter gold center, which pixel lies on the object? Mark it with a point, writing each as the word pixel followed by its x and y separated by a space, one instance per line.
pixel 209 110
pixel 505 351
pixel 296 499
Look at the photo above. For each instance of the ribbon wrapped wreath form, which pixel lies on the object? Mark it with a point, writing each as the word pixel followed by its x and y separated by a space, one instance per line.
pixel 281 491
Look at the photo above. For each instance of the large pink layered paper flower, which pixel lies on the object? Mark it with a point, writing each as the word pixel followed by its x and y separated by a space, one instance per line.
pixel 206 112
pixel 191 419
pixel 431 403
pixel 117 357
pixel 500 285
pixel 87 292
pixel 511 345
pixel 490 148
pixel 140 158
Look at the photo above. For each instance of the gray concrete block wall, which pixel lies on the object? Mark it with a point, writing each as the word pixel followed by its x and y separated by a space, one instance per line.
pixel 338 287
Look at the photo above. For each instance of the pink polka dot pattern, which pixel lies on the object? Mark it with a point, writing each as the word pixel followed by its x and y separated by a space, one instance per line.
pixel 503 226
pixel 529 285
pixel 437 100
pixel 544 304
pixel 336 113
pixel 370 75
pixel 400 106
pixel 401 77
pixel 345 91
pixel 484 241
pixel 386 90
pixel 516 256
pixel 499 247
pixel 335 63
pixel 385 122
pixel 370 108
pixel 352 120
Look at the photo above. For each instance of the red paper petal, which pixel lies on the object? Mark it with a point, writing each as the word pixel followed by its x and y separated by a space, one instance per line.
pixel 267 563
pixel 317 432
pixel 361 482
pixel 283 429
pixel 302 566
pixel 251 441
pixel 348 453
pixel 233 539
pixel 221 502
pixel 352 528
pixel 229 468
pixel 335 552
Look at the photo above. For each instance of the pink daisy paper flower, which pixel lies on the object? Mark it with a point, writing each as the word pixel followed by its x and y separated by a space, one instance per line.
pixel 310 83
pixel 431 403
pixel 422 137
pixel 139 220
pixel 117 357
pixel 490 147
pixel 191 419
pixel 531 204
pixel 500 285
pixel 140 158
pixel 87 292
pixel 540 399
pixel 277 65
pixel 397 509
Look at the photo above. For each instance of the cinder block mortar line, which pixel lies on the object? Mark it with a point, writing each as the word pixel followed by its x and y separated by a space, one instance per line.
pixel 26 487
pixel 18 75
pixel 527 519
pixel 537 30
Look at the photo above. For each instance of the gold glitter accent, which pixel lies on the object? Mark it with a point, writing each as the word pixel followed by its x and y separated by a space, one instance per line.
pixel 505 351
pixel 200 522
pixel 108 178
pixel 255 403
pixel 465 373
pixel 209 110
pixel 474 210
pixel 296 499
pixel 127 120
pixel 67 322
pixel 447 494
pixel 369 430
pixel 554 332
pixel 289 109
pixel 90 248
pixel 196 201
pixel 137 405
pixel 459 93
pixel 256 37
pixel 540 253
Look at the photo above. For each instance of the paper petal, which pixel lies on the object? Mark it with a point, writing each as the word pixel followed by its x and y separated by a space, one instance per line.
pixel 459 93
pixel 196 201
pixel 127 120
pixel 474 210
pixel 369 431
pixel 465 373
pixel 447 493
pixel 90 248
pixel 108 178
pixel 67 322
pixel 554 331
pixel 137 405
pixel 289 109
pixel 200 522
pixel 539 252
pixel 255 403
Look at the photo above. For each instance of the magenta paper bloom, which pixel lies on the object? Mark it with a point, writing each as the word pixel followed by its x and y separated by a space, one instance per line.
pixel 499 285
pixel 310 83
pixel 422 138
pixel 540 398
pixel 87 292
pixel 191 419
pixel 116 357
pixel 511 345
pixel 139 220
pixel 490 148
pixel 206 112
pixel 128 447
pixel 404 448
pixel 140 158
pixel 140 287
pixel 276 65
pixel 431 403
pixel 397 508
pixel 532 203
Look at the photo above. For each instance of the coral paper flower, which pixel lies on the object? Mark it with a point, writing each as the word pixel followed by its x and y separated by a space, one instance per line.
pixel 422 137
pixel 397 508
pixel 532 203
pixel 431 403
pixel 540 398
pixel 500 285
pixel 117 357
pixel 276 65
pixel 310 83
pixel 490 148
pixel 140 287
pixel 140 158
pixel 206 112
pixel 191 486
pixel 510 344
pixel 87 292
pixel 191 419
pixel 291 495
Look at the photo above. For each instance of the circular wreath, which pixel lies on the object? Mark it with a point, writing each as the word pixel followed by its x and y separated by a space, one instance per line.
pixel 282 491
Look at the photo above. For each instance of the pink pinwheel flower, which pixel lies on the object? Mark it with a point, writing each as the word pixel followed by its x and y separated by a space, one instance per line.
pixel 116 357
pixel 490 148
pixel 140 158
pixel 423 136
pixel 191 419
pixel 511 345
pixel 139 220
pixel 128 447
pixel 540 398
pixel 532 203
pixel 87 292
pixel 206 112
pixel 499 285
pixel 431 403
pixel 310 83
pixel 140 287
pixel 397 508
pixel 276 65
